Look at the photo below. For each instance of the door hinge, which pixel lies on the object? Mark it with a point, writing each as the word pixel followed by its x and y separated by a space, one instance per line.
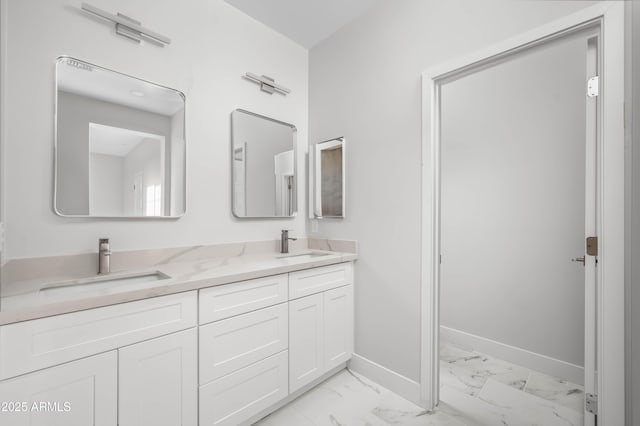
pixel 593 86
pixel 591 403
pixel 592 246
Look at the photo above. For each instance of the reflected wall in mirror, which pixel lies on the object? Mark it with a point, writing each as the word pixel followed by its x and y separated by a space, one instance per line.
pixel 264 166
pixel 119 144
pixel 328 183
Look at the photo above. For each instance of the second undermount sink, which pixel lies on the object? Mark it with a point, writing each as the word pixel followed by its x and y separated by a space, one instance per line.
pixel 303 255
pixel 103 282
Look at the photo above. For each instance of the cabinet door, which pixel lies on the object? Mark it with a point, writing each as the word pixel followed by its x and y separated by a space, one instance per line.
pixel 158 383
pixel 306 341
pixel 79 393
pixel 338 326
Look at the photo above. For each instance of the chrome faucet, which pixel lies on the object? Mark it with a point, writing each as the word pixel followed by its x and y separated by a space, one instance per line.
pixel 284 241
pixel 104 255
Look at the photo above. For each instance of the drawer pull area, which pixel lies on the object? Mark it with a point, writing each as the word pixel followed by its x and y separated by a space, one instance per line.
pixel 317 280
pixel 234 343
pixel 227 300
pixel 32 345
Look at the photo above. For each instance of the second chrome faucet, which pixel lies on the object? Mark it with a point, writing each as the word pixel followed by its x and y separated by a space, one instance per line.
pixel 104 256
pixel 284 241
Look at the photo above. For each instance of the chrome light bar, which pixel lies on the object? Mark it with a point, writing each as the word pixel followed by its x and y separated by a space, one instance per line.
pixel 267 84
pixel 125 26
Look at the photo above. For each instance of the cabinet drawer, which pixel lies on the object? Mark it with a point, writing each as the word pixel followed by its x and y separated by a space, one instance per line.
pixel 237 298
pixel 41 343
pixel 316 280
pixel 234 343
pixel 236 397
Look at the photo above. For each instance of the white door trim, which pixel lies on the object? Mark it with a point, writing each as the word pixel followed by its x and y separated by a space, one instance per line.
pixel 610 17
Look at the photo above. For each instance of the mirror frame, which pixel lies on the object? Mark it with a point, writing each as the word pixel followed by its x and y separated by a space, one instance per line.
pixel 61 58
pixel 294 135
pixel 315 196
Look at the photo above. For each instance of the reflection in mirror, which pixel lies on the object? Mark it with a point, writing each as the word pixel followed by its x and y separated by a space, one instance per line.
pixel 120 145
pixel 328 190
pixel 264 166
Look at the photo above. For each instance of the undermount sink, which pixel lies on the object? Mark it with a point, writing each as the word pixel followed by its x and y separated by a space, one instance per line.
pixel 305 255
pixel 104 282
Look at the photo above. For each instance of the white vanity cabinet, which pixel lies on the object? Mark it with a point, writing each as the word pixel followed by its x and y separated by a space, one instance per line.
pixel 222 355
pixel 129 364
pixel 78 393
pixel 32 345
pixel 244 340
pixel 320 324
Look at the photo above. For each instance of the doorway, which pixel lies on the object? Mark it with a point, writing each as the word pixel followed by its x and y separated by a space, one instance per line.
pixel 514 186
pixel 516 195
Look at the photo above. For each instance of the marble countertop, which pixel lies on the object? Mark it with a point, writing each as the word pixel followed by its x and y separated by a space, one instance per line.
pixel 25 301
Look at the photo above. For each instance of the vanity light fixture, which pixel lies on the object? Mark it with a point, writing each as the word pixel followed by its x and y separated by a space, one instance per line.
pixel 127 27
pixel 267 84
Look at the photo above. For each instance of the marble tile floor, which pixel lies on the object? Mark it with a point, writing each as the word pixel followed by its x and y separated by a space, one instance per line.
pixel 475 390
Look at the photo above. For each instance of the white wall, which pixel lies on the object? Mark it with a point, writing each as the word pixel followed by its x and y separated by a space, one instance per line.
pixel 365 85
pixel 72 194
pixel 284 169
pixel 176 167
pixel 213 45
pixel 106 185
pixel 3 42
pixel 632 260
pixel 513 194
pixel 146 158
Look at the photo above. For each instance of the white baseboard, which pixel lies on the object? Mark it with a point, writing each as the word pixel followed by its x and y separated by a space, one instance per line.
pixel 389 379
pixel 534 361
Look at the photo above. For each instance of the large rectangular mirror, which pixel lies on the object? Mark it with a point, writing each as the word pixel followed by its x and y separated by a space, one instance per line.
pixel 119 144
pixel 327 160
pixel 263 155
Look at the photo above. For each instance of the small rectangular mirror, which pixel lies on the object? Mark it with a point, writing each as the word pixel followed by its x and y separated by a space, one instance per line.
pixel 328 183
pixel 119 145
pixel 264 170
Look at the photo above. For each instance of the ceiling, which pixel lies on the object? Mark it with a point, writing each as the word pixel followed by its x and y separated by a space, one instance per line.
pixel 108 140
pixel 307 22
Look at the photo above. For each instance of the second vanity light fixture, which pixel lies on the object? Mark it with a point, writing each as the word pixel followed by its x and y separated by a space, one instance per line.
pixel 127 27
pixel 267 84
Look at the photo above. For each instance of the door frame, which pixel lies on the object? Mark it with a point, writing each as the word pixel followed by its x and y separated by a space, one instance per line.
pixel 609 17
